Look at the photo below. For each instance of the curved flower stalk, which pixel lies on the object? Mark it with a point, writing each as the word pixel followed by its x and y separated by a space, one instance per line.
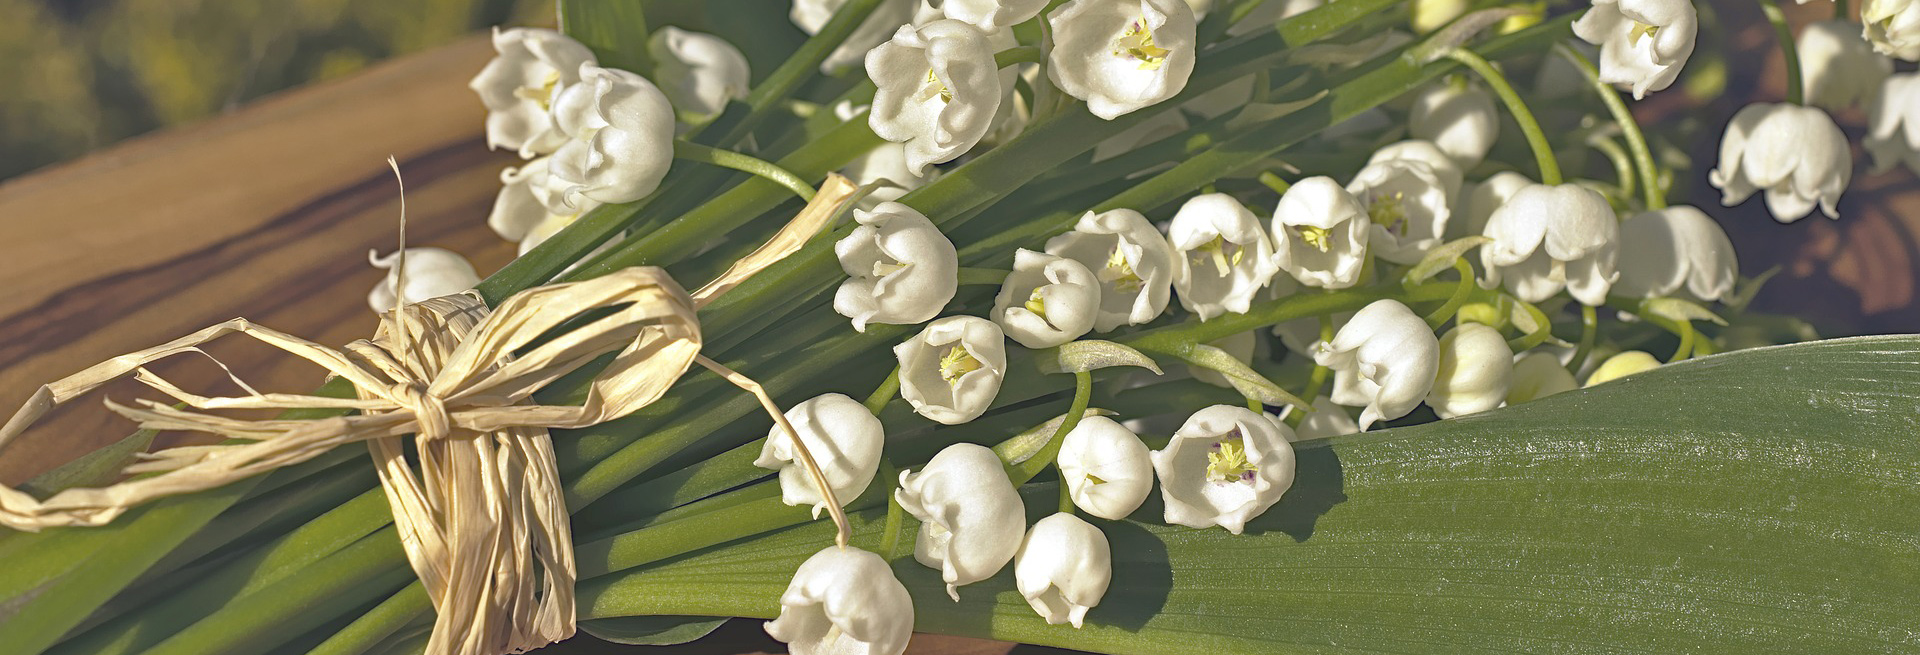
pixel 1224 467
pixel 990 15
pixel 698 72
pixel 952 370
pixel 844 601
pixel 1893 27
pixel 1063 568
pixel 1459 118
pixel 1385 359
pixel 518 87
pixel 811 15
pixel 1677 251
pixel 1840 67
pixel 1536 375
pixel 1221 255
pixel 1796 154
pixel 619 139
pixel 1408 193
pixel 430 272
pixel 900 269
pixel 1893 134
pixel 525 212
pixel 845 440
pixel 971 519
pixel 1552 237
pixel 1047 300
pixel 1106 468
pixel 1130 259
pixel 1320 234
pixel 1121 55
pixel 1476 370
pixel 938 90
pixel 1622 365
pixel 1643 43
pixel 1328 419
pixel 1481 201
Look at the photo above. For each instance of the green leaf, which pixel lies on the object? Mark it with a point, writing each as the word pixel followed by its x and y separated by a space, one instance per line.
pixel 651 630
pixel 615 30
pixel 1088 355
pixel 1761 501
pixel 96 468
pixel 1248 382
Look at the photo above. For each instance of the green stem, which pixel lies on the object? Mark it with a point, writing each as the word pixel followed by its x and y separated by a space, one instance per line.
pixel 1066 497
pixel 1589 328
pixel 1536 138
pixel 1445 313
pixel 1542 328
pixel 1274 182
pixel 744 163
pixel 1316 380
pixel 1026 54
pixel 884 394
pixel 890 540
pixel 1082 397
pixel 982 276
pixel 1650 186
pixel 1623 168
pixel 1788 50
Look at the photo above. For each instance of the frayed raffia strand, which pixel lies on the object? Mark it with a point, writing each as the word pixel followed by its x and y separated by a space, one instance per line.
pixel 483 521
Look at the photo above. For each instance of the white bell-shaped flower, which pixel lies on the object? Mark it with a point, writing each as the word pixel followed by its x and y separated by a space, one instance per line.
pixel 951 371
pixel 619 130
pixel 1536 375
pixel 938 90
pixel 1425 152
pixel 1643 43
pixel 1224 467
pixel 1460 118
pixel 1840 67
pixel 1105 467
pixel 1409 201
pixel 1892 26
pixel 844 439
pixel 1678 252
pixel 811 15
pixel 1121 55
pixel 1476 369
pixel 1320 234
pixel 844 601
pixel 1328 419
pixel 1552 237
pixel 430 273
pixel 1063 568
pixel 1047 300
pixel 886 165
pixel 1222 256
pixel 1130 259
pixel 1796 154
pixel 1622 365
pixel 990 15
pixel 698 72
pixel 1384 359
pixel 971 517
pixel 1481 200
pixel 518 87
pixel 900 269
pixel 1893 132
pixel 526 212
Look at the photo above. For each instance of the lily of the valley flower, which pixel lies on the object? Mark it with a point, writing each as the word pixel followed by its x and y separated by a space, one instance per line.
pixel 1130 259
pixel 519 85
pixel 971 518
pixel 1893 134
pixel 1481 201
pixel 886 164
pixel 1121 55
pixel 1384 359
pixel 1643 43
pixel 1796 154
pixel 938 90
pixel 1476 369
pixel 1328 419
pixel 1459 118
pixel 901 270
pixel 1537 375
pixel 1552 237
pixel 1893 27
pixel 1840 67
pixel 1677 251
pixel 1105 467
pixel 1408 200
pixel 526 212
pixel 990 15
pixel 698 72
pixel 1221 255
pixel 1063 568
pixel 889 15
pixel 844 601
pixel 1224 467
pixel 1047 300
pixel 951 371
pixel 844 439
pixel 619 131
pixel 430 273
pixel 1320 234
pixel 1622 365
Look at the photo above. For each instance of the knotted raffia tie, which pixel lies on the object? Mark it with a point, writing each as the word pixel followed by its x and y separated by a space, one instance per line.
pixel 483 520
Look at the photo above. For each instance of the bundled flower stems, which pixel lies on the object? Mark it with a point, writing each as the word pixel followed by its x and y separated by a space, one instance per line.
pixel 1266 221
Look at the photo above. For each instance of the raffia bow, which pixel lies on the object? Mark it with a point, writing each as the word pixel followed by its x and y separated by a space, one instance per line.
pixel 483 522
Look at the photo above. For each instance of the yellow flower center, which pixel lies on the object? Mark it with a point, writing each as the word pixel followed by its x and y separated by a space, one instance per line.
pixel 1094 479
pixel 1225 255
pixel 1228 461
pixel 933 86
pixel 1319 238
pixel 1119 273
pixel 1389 211
pixel 1137 44
pixel 1036 304
pixel 956 363
pixel 1641 30
pixel 542 94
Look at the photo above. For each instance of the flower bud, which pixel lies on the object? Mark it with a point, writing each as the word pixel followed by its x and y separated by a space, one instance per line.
pixel 1892 26
pixel 1550 237
pixel 1221 255
pixel 900 269
pixel 619 131
pixel 1668 28
pixel 1622 365
pixel 698 72
pixel 1130 259
pixel 1385 359
pixel 1893 132
pixel 1320 234
pixel 1105 467
pixel 1459 118
pixel 1677 251
pixel 1537 375
pixel 1224 467
pixel 1063 568
pixel 951 371
pixel 1796 154
pixel 1840 67
pixel 431 273
pixel 1047 300
pixel 971 517
pixel 845 440
pixel 518 87
pixel 1121 55
pixel 938 90
pixel 1476 368
pixel 844 600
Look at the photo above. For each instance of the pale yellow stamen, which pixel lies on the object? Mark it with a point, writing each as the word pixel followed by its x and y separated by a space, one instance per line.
pixel 1388 210
pixel 1217 250
pixel 544 93
pixel 1137 43
pixel 1120 274
pixel 886 268
pixel 1036 304
pixel 933 86
pixel 1228 461
pixel 1641 30
pixel 956 363
pixel 1319 238
pixel 1094 479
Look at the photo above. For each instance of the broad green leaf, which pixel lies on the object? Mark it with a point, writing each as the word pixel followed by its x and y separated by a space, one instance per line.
pixel 96 468
pixel 651 630
pixel 1091 355
pixel 1762 501
pixel 1248 382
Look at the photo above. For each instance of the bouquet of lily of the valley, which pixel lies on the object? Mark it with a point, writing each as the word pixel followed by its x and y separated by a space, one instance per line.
pixel 1129 326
